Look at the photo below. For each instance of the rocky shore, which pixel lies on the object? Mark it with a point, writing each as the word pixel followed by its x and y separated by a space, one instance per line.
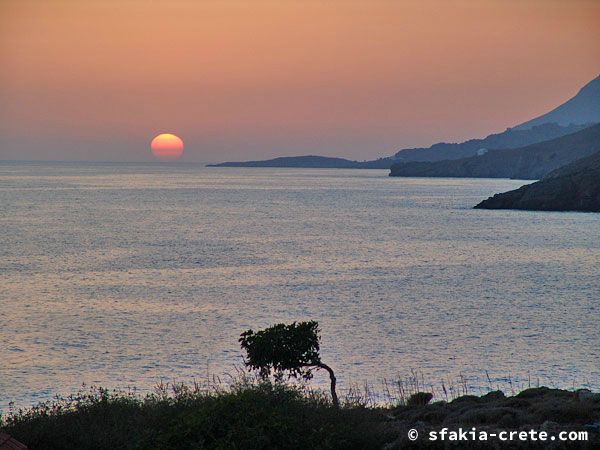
pixel 575 187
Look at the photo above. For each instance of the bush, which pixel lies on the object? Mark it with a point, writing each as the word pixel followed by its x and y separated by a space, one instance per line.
pixel 419 399
pixel 246 416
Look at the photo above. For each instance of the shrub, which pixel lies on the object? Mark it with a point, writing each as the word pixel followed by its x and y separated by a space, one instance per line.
pixel 419 399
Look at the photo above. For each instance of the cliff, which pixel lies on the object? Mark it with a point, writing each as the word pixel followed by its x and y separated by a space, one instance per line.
pixel 575 187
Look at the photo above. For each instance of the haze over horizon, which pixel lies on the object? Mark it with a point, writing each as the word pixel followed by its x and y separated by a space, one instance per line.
pixel 253 80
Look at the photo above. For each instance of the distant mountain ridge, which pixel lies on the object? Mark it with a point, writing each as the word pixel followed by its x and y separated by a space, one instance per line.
pixel 581 109
pixel 579 112
pixel 511 138
pixel 507 139
pixel 311 161
pixel 574 187
pixel 531 162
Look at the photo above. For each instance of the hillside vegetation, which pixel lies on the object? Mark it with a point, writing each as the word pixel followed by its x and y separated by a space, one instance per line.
pixel 276 416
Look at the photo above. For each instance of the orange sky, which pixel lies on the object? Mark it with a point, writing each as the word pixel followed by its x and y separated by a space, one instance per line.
pixel 245 80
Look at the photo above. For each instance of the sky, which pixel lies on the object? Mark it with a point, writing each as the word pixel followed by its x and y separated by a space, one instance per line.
pixel 243 80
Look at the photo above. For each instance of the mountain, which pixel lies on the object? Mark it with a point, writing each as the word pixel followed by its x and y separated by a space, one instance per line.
pixel 311 161
pixel 576 114
pixel 581 109
pixel 575 187
pixel 530 162
pixel 511 138
pixel 437 152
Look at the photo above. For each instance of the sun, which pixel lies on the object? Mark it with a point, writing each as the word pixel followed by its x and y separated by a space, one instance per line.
pixel 167 147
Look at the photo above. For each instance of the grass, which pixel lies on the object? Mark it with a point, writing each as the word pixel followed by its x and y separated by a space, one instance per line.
pixel 249 414
pixel 245 416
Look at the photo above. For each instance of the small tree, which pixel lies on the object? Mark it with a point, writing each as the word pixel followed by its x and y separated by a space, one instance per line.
pixel 291 349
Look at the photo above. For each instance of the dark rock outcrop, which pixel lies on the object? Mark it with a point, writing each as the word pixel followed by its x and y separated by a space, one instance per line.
pixel 575 187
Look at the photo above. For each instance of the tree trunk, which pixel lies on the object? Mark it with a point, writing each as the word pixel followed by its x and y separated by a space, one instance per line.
pixel 334 396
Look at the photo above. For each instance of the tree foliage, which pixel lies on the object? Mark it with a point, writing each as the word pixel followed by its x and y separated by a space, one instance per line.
pixel 286 349
pixel 281 349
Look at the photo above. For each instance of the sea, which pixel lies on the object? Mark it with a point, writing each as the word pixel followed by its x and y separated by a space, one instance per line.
pixel 131 275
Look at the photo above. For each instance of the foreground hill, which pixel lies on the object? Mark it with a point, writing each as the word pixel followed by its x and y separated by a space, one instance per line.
pixel 311 161
pixel 531 162
pixel 278 417
pixel 575 187
pixel 581 109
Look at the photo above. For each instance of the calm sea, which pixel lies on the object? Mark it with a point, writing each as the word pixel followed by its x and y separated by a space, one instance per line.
pixel 124 274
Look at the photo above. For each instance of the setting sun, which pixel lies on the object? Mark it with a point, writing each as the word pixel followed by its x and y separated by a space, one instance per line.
pixel 384 191
pixel 167 147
